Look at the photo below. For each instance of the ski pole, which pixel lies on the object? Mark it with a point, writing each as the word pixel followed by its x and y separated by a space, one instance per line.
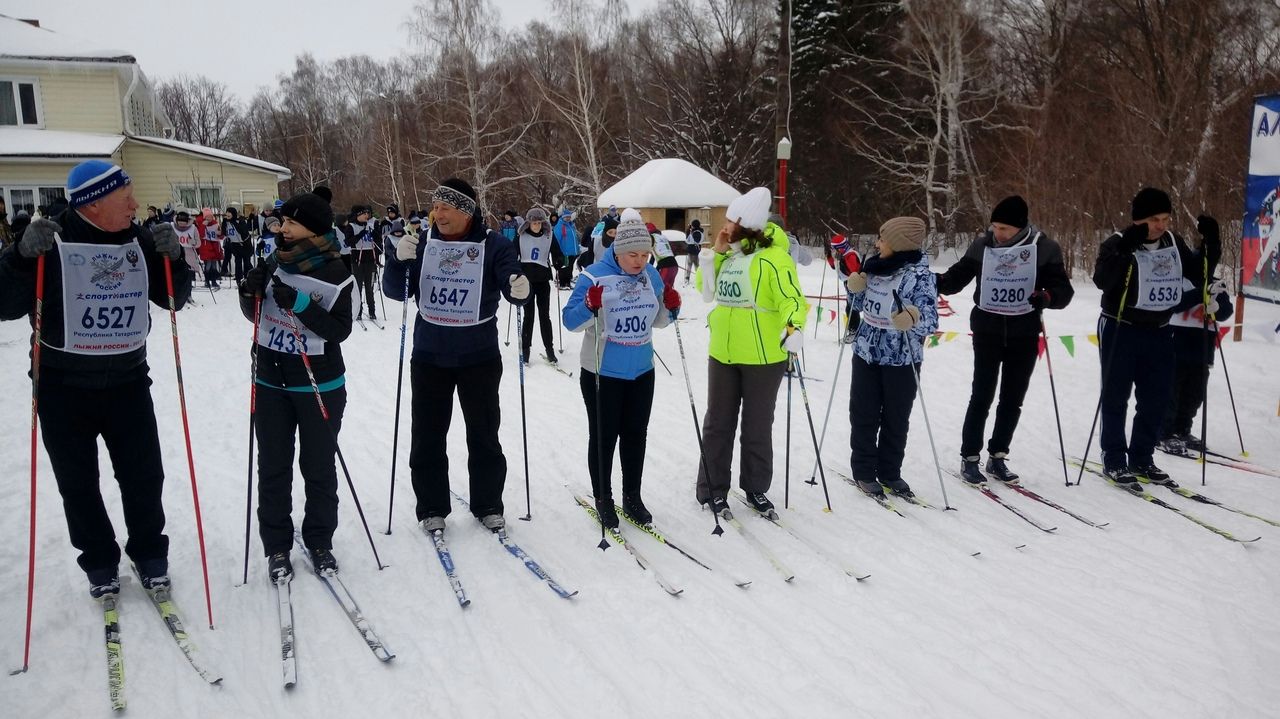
pixel 186 434
pixel 559 319
pixel 600 469
pixel 826 418
pixel 1204 359
pixel 1222 353
pixel 1111 354
pixel 1053 392
pixel 786 495
pixel 507 341
pixel 253 414
pixel 946 504
pixel 395 432
pixel 35 403
pixel 804 396
pixel 377 285
pixel 524 424
pixel 324 413
pixel 697 429
pixel 664 364
pixel 822 287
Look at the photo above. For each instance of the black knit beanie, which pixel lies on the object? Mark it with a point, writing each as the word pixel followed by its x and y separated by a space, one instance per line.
pixel 1150 202
pixel 324 193
pixel 1011 211
pixel 309 210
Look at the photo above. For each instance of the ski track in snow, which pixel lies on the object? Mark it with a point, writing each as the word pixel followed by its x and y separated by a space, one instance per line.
pixel 1152 616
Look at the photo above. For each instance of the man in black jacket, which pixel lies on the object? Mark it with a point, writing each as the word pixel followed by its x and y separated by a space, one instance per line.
pixel 365 240
pixel 239 245
pixel 1019 274
pixel 1146 273
pixel 306 308
pixel 99 267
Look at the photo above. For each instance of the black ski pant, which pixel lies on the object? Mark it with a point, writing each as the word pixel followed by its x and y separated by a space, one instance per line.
pixel 432 409
pixel 754 390
pixel 72 419
pixel 242 256
pixel 564 273
pixel 880 400
pixel 620 418
pixel 1186 397
pixel 1135 359
pixel 279 416
pixel 540 295
pixel 364 273
pixel 1006 362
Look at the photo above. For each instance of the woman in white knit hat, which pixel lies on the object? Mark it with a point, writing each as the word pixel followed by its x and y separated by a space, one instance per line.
pixel 750 276
pixel 898 298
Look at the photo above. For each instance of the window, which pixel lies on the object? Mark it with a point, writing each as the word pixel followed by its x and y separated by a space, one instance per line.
pixel 19 103
pixel 30 198
pixel 198 197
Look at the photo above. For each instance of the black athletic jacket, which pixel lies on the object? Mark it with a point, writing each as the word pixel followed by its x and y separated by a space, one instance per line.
pixel 1051 276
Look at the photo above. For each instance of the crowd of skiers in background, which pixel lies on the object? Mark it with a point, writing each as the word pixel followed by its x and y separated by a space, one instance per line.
pixel 304 275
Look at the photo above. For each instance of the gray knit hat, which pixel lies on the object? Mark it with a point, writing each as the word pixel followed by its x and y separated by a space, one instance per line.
pixel 535 214
pixel 632 236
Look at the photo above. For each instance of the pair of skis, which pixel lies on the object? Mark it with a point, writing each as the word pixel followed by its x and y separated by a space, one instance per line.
pixel 1223 460
pixel 451 573
pixel 336 589
pixel 162 600
pixel 1137 490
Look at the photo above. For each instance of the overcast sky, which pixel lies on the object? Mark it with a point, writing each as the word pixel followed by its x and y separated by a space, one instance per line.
pixel 246 43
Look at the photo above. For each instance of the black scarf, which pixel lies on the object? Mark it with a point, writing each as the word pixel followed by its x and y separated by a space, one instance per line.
pixel 877 265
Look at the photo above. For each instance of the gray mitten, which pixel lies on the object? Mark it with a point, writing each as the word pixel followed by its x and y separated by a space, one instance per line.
pixel 166 240
pixel 38 237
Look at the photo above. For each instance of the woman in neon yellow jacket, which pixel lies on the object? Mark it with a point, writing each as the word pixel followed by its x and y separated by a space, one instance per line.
pixel 754 326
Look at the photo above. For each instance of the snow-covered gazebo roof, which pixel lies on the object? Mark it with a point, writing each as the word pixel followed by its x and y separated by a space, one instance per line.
pixel 669 183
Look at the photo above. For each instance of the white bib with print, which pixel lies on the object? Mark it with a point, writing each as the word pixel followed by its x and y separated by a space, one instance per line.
pixel 449 289
pixel 1159 279
pixel 276 329
pixel 630 305
pixel 1008 279
pixel 104 298
pixel 733 282
pixel 877 301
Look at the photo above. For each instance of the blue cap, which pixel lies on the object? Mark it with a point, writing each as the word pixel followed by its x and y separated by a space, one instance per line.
pixel 93 180
pixel 278 204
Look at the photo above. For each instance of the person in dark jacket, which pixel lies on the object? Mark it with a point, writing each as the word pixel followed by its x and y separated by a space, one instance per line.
pixel 1195 342
pixel 692 246
pixel 456 280
pixel 93 382
pixel 364 239
pixel 305 294
pixel 538 252
pixel 1019 273
pixel 1143 272
pixel 236 231
pixel 509 227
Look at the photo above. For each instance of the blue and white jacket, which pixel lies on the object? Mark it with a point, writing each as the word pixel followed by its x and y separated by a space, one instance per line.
pixel 618 361
pixel 917 286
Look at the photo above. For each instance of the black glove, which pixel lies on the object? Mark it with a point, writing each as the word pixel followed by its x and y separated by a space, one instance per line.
pixel 1208 228
pixel 166 240
pixel 255 281
pixel 1040 299
pixel 284 294
pixel 37 239
pixel 1133 237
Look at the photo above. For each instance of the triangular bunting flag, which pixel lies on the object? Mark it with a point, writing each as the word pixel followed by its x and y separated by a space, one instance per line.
pixel 933 339
pixel 1070 343
pixel 1041 346
pixel 1093 340
pixel 950 336
pixel 833 316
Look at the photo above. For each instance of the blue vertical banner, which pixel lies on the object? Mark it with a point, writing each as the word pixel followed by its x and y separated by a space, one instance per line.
pixel 1260 250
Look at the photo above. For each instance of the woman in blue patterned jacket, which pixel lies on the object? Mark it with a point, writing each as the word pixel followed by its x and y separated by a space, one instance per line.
pixel 898 298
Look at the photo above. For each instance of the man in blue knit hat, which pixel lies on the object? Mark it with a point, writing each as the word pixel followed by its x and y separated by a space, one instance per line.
pixel 93 382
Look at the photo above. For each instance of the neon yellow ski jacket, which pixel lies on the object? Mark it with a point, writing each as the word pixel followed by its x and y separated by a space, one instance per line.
pixel 753 335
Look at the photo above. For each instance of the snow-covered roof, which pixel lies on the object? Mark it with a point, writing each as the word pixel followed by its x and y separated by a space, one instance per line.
pixel 282 173
pixel 22 142
pixel 19 39
pixel 669 183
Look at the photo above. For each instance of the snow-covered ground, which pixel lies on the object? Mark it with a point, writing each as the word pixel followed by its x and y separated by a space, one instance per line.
pixel 1152 616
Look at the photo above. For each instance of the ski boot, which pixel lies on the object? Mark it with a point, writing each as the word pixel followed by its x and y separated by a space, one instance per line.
pixel 608 516
pixel 432 524
pixel 154 574
pixel 720 506
pixel 997 468
pixel 900 488
pixel 762 504
pixel 279 568
pixel 1174 444
pixel 493 522
pixel 1154 474
pixel 634 507
pixel 108 587
pixel 871 488
pixel 970 472
pixel 1123 477
pixel 323 561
